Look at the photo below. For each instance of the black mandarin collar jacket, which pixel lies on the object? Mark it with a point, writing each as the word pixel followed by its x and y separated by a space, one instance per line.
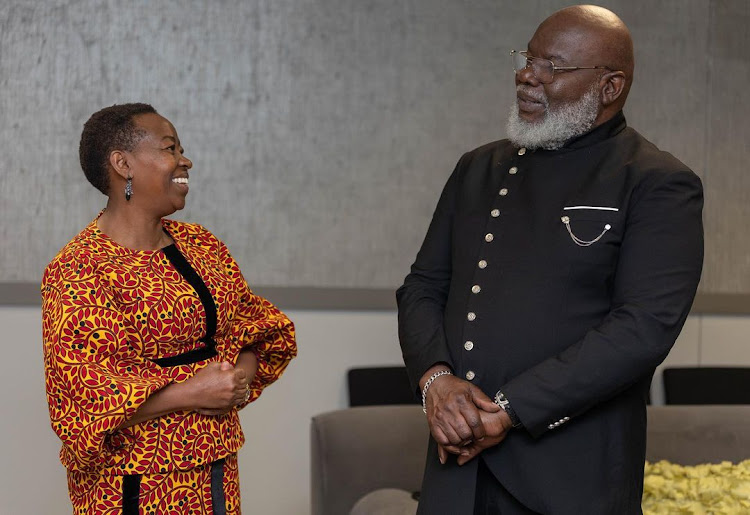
pixel 561 278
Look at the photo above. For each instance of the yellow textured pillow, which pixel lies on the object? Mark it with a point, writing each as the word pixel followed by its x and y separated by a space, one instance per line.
pixel 710 489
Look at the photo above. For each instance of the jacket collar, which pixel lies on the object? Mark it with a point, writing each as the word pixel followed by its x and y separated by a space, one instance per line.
pixel 608 129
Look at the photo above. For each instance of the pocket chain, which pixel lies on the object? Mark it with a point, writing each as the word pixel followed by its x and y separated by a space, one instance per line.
pixel 578 241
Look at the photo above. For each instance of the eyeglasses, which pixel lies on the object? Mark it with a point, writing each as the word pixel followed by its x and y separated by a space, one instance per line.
pixel 543 69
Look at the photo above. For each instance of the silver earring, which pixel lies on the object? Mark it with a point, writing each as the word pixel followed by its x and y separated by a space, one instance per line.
pixel 129 188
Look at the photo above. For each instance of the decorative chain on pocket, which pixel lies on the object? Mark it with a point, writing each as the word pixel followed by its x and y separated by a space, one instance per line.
pixel 578 241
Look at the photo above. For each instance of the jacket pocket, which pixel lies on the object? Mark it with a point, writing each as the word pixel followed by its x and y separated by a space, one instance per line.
pixel 586 225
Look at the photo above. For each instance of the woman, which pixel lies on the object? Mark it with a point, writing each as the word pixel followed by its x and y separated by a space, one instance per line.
pixel 152 339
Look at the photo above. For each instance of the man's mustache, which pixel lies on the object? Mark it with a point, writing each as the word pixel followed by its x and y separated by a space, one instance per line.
pixel 532 94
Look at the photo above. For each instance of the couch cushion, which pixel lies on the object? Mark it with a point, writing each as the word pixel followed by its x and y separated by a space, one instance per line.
pixel 386 501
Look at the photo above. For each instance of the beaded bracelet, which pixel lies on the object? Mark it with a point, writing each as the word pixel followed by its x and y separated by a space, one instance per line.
pixel 429 382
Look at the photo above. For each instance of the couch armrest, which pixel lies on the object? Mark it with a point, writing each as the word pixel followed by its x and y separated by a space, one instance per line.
pixel 690 435
pixel 358 450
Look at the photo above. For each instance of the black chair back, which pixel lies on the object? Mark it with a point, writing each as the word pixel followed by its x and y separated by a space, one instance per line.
pixel 706 385
pixel 374 386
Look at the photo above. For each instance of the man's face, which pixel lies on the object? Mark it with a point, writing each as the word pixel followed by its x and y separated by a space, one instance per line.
pixel 564 47
pixel 548 115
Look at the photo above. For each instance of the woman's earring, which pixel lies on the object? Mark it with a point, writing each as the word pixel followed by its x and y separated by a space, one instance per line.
pixel 129 188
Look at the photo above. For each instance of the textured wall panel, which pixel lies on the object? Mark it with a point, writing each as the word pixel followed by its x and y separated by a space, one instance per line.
pixel 727 182
pixel 323 130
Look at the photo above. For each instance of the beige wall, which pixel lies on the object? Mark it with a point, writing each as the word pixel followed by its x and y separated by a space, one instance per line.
pixel 274 464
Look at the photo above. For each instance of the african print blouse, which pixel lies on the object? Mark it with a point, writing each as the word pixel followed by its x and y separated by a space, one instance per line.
pixel 120 324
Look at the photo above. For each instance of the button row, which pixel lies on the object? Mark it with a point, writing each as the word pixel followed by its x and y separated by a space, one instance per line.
pixel 471 316
pixel 558 423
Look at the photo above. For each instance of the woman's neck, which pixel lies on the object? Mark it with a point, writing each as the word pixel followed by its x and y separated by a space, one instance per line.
pixel 133 229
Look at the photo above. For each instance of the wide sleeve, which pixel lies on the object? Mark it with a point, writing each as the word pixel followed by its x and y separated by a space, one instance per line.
pixel 657 275
pixel 422 298
pixel 260 326
pixel 95 380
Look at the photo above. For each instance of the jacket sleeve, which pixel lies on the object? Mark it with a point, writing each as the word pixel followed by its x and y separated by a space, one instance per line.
pixel 95 380
pixel 422 297
pixel 657 275
pixel 260 326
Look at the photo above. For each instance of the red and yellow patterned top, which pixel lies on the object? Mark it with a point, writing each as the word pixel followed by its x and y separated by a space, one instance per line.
pixel 108 311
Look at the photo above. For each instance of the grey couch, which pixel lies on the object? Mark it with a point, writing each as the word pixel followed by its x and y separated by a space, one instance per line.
pixel 380 450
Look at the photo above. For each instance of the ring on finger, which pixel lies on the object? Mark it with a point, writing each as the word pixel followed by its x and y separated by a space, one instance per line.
pixel 248 392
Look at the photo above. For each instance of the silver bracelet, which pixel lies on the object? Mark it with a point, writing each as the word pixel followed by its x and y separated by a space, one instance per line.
pixel 429 382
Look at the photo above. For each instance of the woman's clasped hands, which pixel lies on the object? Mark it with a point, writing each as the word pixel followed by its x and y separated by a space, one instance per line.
pixel 217 388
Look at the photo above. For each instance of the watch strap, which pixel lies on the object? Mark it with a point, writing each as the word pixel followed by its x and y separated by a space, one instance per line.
pixel 504 403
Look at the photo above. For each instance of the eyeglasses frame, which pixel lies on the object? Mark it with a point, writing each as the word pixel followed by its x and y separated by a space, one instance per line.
pixel 529 58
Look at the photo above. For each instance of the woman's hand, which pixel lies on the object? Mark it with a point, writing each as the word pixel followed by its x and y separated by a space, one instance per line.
pixel 217 388
pixel 247 366
pixel 214 390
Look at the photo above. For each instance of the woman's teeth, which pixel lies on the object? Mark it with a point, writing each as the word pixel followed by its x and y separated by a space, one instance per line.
pixel 180 180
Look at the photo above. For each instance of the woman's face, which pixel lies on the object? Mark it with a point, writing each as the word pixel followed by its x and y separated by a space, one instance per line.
pixel 158 167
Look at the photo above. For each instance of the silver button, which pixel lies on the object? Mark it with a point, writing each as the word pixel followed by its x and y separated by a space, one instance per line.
pixel 469 345
pixel 513 170
pixel 489 237
pixel 471 316
pixel 503 192
pixel 521 151
pixel 476 288
pixel 556 424
pixel 483 264
pixel 470 375
pixel 495 213
pixel 550 426
pixel 566 419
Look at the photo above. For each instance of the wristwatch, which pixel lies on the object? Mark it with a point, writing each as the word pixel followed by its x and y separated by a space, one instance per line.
pixel 504 403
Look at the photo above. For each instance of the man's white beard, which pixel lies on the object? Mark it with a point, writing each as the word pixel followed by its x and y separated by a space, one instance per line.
pixel 558 126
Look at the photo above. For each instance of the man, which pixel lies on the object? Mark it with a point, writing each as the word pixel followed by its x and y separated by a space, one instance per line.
pixel 556 274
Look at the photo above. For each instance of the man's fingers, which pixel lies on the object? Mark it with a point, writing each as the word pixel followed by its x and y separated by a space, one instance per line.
pixel 453 449
pixel 452 426
pixel 483 402
pixel 470 454
pixel 473 422
pixel 439 436
pixel 442 454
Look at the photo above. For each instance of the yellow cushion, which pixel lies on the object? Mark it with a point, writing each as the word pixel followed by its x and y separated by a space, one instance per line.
pixel 710 489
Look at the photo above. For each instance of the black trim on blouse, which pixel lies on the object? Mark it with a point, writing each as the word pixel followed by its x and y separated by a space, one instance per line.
pixel 191 276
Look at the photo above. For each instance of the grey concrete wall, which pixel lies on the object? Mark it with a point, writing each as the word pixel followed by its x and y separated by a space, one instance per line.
pixel 323 130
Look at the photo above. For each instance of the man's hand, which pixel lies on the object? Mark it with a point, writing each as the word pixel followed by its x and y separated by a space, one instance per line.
pixel 496 426
pixel 453 409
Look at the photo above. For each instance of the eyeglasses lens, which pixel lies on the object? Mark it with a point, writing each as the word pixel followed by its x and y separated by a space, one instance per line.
pixel 543 69
pixel 519 61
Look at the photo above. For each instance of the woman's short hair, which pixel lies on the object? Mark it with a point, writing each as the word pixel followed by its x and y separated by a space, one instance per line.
pixel 111 128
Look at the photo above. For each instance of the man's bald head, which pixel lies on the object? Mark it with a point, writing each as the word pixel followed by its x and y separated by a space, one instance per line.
pixel 592 35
